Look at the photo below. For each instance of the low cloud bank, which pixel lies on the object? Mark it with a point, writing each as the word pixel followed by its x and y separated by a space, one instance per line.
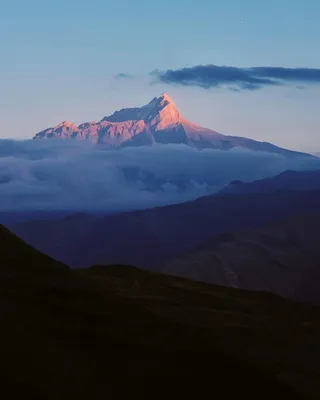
pixel 76 176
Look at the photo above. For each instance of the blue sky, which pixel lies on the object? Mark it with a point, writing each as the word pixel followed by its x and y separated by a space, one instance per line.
pixel 59 58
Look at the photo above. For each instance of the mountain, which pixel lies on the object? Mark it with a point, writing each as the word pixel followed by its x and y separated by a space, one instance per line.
pixel 121 332
pixel 287 180
pixel 283 258
pixel 157 122
pixel 259 327
pixel 152 237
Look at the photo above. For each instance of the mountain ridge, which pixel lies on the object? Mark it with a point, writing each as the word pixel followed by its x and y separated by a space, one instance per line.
pixel 281 257
pixel 159 121
pixel 154 236
pixel 306 180
pixel 82 334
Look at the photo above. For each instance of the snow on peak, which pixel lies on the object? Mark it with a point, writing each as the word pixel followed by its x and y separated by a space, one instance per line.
pixel 158 107
pixel 66 124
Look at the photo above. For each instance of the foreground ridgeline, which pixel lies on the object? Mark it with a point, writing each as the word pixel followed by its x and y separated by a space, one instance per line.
pixel 118 332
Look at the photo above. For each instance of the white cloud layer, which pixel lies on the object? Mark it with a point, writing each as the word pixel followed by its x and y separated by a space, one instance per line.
pixel 76 176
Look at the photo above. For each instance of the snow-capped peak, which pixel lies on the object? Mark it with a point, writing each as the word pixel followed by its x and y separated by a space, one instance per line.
pixel 66 124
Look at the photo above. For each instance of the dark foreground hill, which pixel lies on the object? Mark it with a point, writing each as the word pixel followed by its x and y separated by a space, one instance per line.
pixel 120 332
pixel 273 334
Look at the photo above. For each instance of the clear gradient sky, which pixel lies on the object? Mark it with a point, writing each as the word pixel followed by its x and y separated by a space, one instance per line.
pixel 59 58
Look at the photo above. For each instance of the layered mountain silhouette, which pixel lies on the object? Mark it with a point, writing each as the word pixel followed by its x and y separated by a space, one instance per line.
pixel 287 180
pixel 157 122
pixel 154 237
pixel 283 258
pixel 120 332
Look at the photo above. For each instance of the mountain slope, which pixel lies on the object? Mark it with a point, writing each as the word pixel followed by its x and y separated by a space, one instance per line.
pixel 157 122
pixel 123 332
pixel 258 327
pixel 283 258
pixel 288 180
pixel 66 334
pixel 149 238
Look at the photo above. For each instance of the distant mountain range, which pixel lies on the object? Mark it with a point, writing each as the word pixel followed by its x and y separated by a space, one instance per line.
pixel 157 122
pixel 287 180
pixel 283 258
pixel 154 237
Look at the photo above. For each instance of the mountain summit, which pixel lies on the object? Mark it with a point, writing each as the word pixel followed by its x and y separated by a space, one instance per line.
pixel 159 113
pixel 157 122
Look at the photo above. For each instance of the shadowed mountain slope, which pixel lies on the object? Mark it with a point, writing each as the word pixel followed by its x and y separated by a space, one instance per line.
pixel 66 334
pixel 288 180
pixel 149 238
pixel 257 327
pixel 283 258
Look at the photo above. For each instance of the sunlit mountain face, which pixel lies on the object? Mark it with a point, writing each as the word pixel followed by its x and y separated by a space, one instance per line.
pixel 157 122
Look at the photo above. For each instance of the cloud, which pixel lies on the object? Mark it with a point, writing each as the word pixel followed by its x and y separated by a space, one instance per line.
pixel 74 176
pixel 123 75
pixel 214 76
pixel 288 74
